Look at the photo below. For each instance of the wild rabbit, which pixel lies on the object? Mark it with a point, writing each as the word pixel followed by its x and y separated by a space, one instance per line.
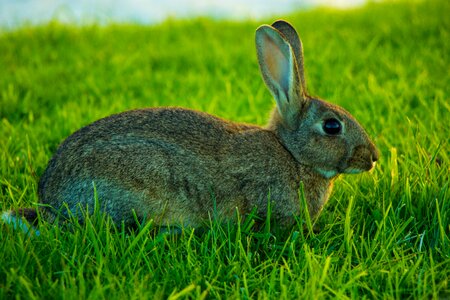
pixel 179 166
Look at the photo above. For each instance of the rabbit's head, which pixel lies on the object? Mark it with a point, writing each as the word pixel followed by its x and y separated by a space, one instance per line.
pixel 318 134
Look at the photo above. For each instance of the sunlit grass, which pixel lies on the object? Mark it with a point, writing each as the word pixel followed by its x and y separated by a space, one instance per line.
pixel 384 234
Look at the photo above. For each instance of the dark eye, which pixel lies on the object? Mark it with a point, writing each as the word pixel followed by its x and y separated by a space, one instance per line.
pixel 332 126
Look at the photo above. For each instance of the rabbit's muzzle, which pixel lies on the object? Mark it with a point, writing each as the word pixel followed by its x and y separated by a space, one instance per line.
pixel 363 159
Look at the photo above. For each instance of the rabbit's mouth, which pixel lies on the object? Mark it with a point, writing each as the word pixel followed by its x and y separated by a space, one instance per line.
pixel 348 170
pixel 352 170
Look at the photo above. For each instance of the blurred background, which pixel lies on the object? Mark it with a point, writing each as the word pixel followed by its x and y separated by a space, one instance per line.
pixel 18 12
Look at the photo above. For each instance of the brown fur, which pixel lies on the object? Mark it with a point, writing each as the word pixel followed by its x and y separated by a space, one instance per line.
pixel 179 166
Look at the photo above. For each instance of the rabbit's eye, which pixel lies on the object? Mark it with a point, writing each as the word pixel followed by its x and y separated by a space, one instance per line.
pixel 332 126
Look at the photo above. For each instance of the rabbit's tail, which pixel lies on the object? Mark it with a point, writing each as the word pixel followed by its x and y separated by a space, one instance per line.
pixel 23 219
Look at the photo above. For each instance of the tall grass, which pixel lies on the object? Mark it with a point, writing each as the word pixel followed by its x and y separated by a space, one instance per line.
pixel 382 235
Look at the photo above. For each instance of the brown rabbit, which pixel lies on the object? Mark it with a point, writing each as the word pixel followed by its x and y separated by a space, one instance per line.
pixel 179 166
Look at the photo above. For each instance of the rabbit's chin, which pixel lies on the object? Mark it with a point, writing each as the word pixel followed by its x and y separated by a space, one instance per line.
pixel 351 170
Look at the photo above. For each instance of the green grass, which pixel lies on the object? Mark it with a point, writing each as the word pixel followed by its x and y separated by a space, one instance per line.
pixel 384 234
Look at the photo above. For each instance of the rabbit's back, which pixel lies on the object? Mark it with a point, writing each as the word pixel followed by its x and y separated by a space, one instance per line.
pixel 173 165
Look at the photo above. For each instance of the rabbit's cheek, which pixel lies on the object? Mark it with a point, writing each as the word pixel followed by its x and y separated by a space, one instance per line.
pixel 338 154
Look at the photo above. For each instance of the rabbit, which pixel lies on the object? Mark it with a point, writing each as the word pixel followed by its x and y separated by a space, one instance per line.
pixel 179 167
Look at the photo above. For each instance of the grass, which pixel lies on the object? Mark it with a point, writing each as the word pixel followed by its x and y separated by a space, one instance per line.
pixel 383 234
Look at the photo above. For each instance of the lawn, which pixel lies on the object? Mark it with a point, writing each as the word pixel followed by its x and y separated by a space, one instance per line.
pixel 383 234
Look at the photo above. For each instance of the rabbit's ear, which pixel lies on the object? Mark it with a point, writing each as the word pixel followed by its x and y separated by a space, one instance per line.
pixel 279 70
pixel 292 37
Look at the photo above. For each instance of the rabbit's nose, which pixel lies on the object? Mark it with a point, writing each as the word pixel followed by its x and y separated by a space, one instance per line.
pixel 373 152
pixel 375 156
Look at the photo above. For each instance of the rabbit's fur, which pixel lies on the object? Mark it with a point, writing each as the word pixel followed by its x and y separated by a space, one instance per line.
pixel 179 166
